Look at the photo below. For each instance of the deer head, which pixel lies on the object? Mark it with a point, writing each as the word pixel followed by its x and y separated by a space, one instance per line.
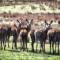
pixel 48 24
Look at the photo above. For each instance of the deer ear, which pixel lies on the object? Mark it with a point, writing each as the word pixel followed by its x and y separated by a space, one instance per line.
pixel 46 22
pixel 51 22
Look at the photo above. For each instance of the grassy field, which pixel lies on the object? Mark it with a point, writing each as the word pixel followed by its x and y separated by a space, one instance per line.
pixel 14 54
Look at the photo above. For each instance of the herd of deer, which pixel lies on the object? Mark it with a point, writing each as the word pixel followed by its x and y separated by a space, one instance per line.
pixel 22 29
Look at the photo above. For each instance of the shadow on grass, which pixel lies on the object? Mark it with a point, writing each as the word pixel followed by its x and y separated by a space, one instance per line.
pixel 13 50
pixel 48 53
pixel 36 52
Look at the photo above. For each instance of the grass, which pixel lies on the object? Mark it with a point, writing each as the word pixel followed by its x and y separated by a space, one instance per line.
pixel 14 54
pixel 10 55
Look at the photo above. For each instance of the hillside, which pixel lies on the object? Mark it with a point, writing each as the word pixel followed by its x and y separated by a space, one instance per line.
pixel 42 7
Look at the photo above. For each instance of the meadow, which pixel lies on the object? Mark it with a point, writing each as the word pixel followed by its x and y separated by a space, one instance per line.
pixel 13 54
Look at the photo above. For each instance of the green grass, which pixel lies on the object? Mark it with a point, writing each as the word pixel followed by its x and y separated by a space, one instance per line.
pixel 10 55
pixel 14 54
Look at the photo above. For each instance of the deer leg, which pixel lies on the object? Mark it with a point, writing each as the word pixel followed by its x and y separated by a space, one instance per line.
pixel 26 44
pixel 23 45
pixel 58 47
pixel 8 41
pixel 44 46
pixel 15 44
pixel 50 47
pixel 12 44
pixel 55 47
pixel 36 45
pixel 32 46
pixel 4 43
pixel 1 45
